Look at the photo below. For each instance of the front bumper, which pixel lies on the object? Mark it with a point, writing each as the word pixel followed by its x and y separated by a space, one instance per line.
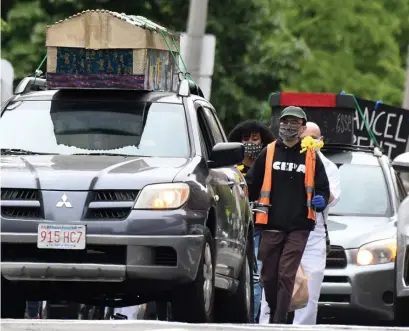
pixel 138 260
pixel 159 245
pixel 368 289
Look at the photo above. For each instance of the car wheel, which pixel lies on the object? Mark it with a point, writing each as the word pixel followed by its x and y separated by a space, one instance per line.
pixel 13 303
pixel 238 307
pixel 193 303
pixel 401 311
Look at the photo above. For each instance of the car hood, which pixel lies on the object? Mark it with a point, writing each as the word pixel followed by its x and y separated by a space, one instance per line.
pixel 85 172
pixel 355 231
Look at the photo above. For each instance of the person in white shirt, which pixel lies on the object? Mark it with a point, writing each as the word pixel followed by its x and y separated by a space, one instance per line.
pixel 315 252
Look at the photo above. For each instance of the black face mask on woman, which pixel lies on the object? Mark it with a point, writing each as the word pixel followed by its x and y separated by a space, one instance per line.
pixel 252 150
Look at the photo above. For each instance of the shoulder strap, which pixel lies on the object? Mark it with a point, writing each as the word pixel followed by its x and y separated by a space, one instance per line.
pixel 268 171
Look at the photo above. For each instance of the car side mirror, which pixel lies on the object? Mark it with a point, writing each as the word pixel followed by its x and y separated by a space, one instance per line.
pixel 401 163
pixel 226 155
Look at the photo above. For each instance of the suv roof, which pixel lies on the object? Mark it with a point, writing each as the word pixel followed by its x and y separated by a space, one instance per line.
pixel 353 154
pixel 100 95
pixel 361 158
pixel 35 88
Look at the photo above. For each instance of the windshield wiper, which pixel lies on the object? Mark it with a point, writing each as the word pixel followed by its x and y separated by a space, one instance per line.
pixel 12 151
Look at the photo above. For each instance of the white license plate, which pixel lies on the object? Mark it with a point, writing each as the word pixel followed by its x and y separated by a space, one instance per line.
pixel 61 236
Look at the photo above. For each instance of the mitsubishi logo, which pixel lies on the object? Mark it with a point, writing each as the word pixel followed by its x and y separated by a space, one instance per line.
pixel 64 202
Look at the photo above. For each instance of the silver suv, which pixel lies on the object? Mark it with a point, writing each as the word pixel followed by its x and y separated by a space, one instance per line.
pixel 359 275
pixel 117 198
pixel 401 164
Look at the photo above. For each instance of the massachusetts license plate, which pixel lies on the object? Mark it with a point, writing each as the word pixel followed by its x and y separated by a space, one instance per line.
pixel 61 236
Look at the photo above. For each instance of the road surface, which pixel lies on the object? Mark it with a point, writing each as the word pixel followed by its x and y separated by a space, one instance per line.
pixel 118 325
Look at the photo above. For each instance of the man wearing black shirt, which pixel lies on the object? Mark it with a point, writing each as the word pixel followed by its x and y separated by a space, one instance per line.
pixel 293 202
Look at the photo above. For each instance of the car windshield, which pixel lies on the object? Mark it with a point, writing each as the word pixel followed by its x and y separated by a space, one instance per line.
pixel 363 192
pixel 95 127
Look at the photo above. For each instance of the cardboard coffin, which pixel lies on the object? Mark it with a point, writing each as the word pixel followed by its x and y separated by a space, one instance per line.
pixel 100 49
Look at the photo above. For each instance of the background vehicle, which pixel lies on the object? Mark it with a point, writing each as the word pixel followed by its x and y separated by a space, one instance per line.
pixel 401 164
pixel 144 185
pixel 359 275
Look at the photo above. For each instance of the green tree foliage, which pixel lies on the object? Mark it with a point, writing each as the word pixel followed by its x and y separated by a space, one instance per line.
pixel 262 45
pixel 357 46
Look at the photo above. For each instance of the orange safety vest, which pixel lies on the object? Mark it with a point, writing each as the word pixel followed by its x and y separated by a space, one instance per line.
pixel 310 159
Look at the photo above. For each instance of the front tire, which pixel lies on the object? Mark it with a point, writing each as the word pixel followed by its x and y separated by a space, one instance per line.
pixel 193 303
pixel 13 303
pixel 401 311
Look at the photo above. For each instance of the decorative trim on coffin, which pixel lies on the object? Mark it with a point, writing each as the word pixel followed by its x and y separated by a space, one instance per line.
pixel 101 81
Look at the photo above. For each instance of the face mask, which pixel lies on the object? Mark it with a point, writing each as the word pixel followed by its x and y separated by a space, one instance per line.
pixel 287 132
pixel 252 150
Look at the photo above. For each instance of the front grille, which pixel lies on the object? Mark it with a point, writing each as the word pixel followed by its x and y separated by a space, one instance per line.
pixel 108 213
pixel 21 212
pixel 336 259
pixel 111 204
pixel 19 194
pixel 115 195
pixel 20 203
pixel 340 298
pixel 99 254
pixel 335 279
pixel 165 256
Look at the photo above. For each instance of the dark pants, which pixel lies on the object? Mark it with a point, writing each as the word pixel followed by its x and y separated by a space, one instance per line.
pixel 281 254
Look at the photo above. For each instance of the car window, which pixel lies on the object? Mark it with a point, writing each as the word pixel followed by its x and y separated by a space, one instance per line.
pixel 73 127
pixel 205 132
pixel 220 126
pixel 218 135
pixel 203 145
pixel 363 191
pixel 401 188
pixel 395 184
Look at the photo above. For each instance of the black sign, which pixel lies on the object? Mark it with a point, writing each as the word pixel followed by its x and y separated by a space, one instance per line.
pixel 336 124
pixel 390 126
pixel 334 113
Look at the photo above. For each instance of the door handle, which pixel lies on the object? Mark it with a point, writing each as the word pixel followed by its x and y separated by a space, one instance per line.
pixel 243 184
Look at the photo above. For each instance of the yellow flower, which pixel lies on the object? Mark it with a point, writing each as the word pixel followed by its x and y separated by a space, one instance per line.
pixel 310 142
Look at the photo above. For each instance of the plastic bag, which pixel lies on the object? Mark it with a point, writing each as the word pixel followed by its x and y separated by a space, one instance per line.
pixel 300 292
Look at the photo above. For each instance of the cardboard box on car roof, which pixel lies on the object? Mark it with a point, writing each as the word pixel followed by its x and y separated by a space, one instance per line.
pixel 101 49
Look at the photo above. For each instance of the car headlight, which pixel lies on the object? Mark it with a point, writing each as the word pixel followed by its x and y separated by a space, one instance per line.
pixel 163 196
pixel 377 252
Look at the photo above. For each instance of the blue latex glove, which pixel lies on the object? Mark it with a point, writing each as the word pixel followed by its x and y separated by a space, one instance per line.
pixel 318 201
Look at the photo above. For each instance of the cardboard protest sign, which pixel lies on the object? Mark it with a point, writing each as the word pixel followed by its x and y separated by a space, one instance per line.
pixel 390 126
